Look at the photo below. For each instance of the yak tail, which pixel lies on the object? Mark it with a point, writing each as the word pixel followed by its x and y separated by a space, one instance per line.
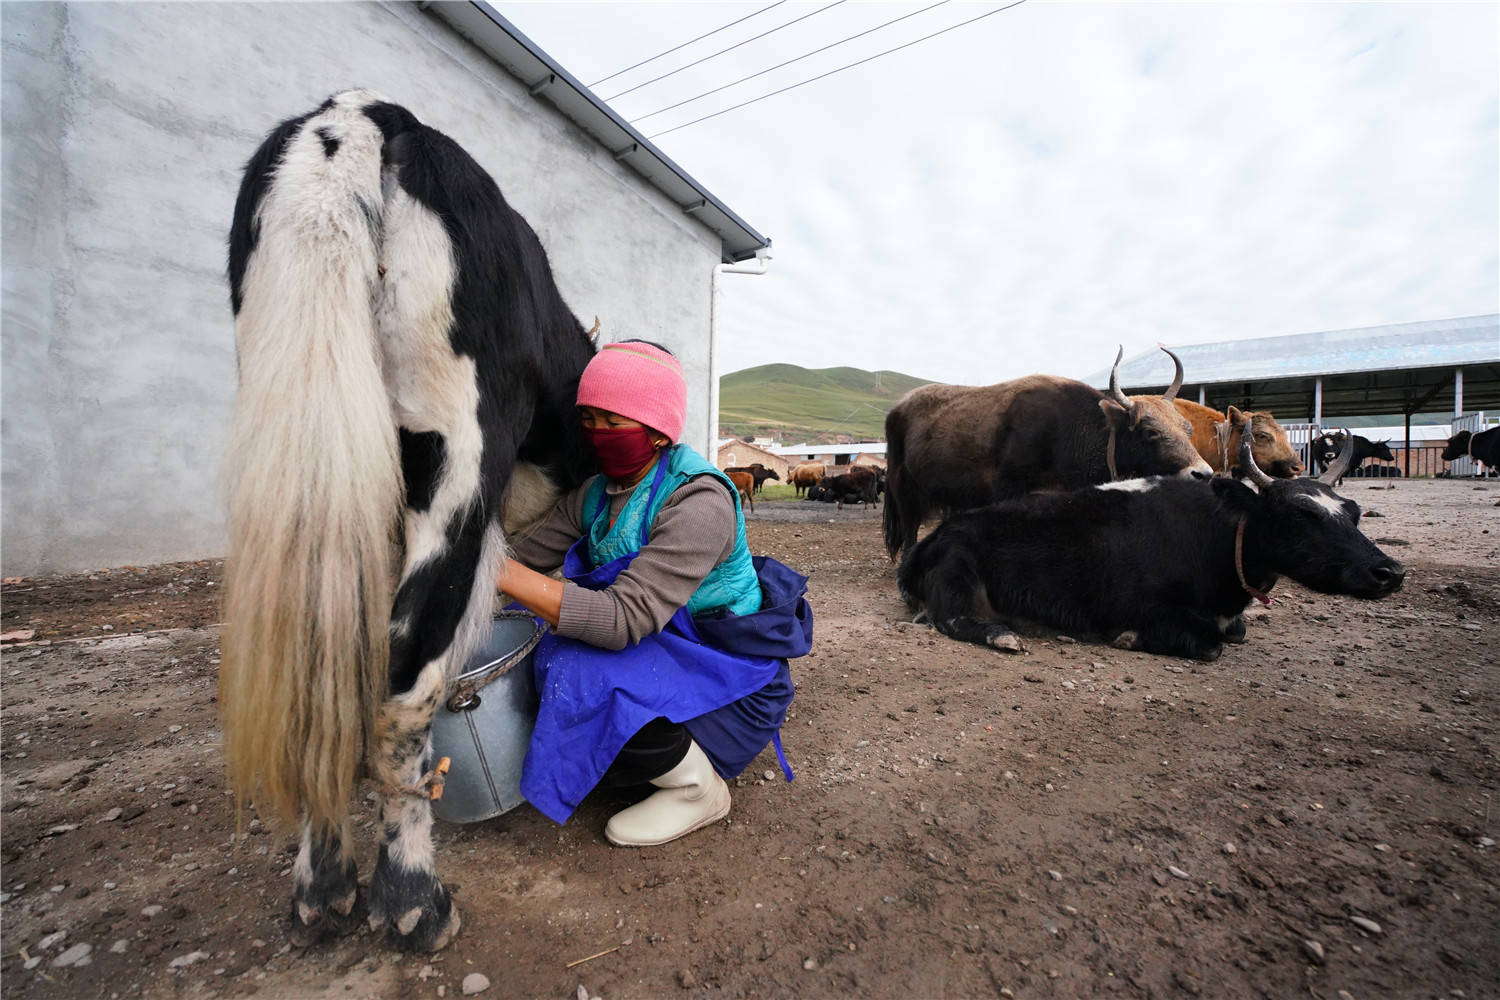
pixel 895 481
pixel 312 474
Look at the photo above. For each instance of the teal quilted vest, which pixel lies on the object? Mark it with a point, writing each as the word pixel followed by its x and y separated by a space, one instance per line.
pixel 732 584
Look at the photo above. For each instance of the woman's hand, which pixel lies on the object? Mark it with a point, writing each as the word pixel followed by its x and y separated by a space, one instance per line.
pixel 538 593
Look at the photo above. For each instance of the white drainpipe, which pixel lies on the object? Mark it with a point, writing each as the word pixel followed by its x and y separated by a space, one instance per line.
pixel 760 265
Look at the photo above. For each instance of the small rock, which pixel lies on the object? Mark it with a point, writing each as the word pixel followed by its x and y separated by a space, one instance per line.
pixel 191 958
pixel 1365 924
pixel 118 948
pixel 1229 848
pixel 1313 950
pixel 1066 640
pixel 426 972
pixel 32 962
pixel 769 774
pixel 1178 872
pixel 1054 874
pixel 1382 848
pixel 686 979
pixel 475 982
pixel 1068 685
pixel 76 955
pixel 810 964
pixel 112 815
pixel 1484 842
pixel 174 729
pixel 51 940
pixel 150 911
pixel 1031 678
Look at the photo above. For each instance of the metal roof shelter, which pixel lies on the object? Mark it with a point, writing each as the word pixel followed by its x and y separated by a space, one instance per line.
pixel 1441 366
pixel 503 42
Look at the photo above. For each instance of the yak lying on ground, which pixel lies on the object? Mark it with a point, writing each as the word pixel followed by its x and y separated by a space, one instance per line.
pixel 858 485
pixel 953 447
pixel 1160 565
pixel 1482 447
pixel 1216 436
pixel 1326 447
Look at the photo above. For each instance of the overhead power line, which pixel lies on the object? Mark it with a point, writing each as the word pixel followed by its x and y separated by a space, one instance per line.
pixel 821 76
pixel 731 48
pixel 684 45
pixel 805 55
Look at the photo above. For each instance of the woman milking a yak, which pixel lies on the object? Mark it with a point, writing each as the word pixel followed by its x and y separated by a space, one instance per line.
pixel 413 392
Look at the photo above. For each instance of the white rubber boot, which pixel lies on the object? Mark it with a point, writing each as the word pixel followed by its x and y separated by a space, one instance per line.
pixel 692 796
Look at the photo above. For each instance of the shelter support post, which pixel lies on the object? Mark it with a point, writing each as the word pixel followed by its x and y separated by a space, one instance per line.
pixel 1317 416
pixel 1458 392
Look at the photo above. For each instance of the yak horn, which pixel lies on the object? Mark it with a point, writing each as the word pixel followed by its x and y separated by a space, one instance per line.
pixel 1340 465
pixel 1114 384
pixel 1248 468
pixel 1171 392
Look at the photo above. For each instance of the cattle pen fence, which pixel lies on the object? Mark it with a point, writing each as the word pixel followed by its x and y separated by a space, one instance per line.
pixel 1426 456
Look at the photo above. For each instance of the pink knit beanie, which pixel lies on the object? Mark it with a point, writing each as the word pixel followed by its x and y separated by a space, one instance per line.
pixel 640 381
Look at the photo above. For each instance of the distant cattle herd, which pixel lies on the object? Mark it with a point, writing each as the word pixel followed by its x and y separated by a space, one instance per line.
pixel 1149 522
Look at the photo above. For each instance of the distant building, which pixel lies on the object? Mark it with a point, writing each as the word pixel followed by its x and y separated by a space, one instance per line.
pixel 835 455
pixel 734 452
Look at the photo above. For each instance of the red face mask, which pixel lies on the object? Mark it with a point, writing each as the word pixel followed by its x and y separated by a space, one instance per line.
pixel 621 451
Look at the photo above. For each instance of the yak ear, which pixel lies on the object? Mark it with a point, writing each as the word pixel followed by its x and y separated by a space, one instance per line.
pixel 1234 415
pixel 1234 494
pixel 1113 411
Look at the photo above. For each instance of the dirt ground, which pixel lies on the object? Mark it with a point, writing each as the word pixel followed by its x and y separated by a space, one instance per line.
pixel 1312 815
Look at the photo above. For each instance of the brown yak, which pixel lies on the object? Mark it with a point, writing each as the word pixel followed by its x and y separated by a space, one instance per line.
pixel 1217 437
pixel 953 447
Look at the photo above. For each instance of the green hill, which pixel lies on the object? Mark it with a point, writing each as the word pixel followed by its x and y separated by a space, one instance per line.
pixel 816 405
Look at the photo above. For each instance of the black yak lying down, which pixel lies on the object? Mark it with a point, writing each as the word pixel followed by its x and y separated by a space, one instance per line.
pixel 1160 565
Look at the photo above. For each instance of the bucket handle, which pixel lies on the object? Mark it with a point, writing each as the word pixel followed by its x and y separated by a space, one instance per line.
pixel 466 693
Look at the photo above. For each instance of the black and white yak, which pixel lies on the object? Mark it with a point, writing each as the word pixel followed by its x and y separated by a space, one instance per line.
pixel 1483 448
pixel 1162 565
pixel 407 379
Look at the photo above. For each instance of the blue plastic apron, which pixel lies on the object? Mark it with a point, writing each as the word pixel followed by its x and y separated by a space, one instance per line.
pixel 594 700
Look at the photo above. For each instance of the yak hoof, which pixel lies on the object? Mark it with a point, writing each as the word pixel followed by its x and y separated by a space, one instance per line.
pixel 1007 642
pixel 310 925
pixel 1211 653
pixel 415 910
pixel 1127 640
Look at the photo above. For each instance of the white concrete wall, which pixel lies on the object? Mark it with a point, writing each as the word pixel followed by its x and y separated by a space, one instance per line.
pixel 125 126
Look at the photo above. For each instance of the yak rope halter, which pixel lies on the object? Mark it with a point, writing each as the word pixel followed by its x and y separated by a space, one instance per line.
pixel 428 786
pixel 1239 564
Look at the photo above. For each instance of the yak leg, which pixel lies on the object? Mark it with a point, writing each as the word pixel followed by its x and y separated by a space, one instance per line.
pixel 954 598
pixel 325 887
pixel 442 609
pixel 1234 630
pixel 1170 631
pixel 406 896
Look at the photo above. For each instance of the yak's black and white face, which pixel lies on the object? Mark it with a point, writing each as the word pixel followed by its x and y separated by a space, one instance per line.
pixel 1317 540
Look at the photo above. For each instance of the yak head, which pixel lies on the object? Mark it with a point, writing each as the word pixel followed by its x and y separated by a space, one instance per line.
pixel 1148 436
pixel 1269 444
pixel 1304 530
pixel 1457 446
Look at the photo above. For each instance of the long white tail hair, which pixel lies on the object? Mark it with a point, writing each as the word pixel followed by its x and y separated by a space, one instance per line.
pixel 312 471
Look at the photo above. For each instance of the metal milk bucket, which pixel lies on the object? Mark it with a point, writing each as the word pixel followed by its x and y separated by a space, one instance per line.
pixel 485 723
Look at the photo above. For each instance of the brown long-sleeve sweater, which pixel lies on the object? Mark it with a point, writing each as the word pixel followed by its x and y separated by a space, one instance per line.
pixel 693 532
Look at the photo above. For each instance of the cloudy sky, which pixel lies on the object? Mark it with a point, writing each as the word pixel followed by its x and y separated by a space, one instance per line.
pixel 1026 192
